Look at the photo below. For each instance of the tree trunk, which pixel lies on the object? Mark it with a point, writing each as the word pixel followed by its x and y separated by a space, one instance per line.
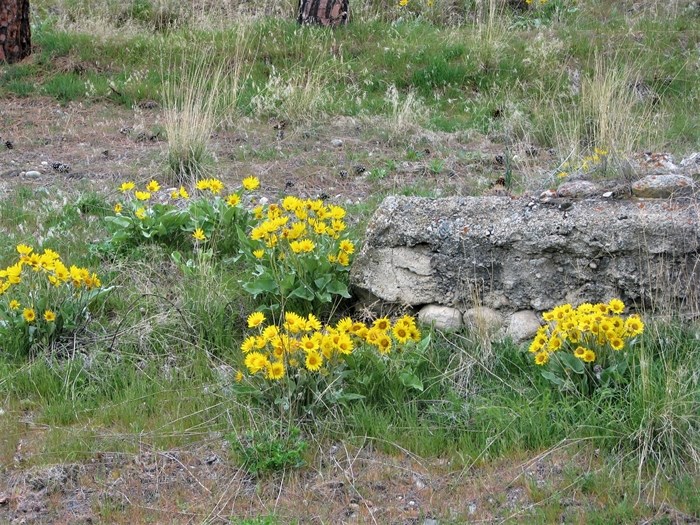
pixel 331 13
pixel 15 34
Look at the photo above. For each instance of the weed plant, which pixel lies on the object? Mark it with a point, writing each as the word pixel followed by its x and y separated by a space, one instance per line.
pixel 41 299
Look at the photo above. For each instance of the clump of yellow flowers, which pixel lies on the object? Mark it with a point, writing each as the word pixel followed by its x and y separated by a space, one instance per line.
pixel 587 164
pixel 589 340
pixel 301 343
pixel 301 253
pixel 300 362
pixel 41 296
pixel 198 215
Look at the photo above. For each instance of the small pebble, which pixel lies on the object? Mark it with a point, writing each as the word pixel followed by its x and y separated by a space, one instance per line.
pixel 607 194
pixel 33 174
pixel 336 143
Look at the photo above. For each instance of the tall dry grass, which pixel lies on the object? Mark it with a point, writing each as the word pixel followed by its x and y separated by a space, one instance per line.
pixel 199 90
pixel 609 114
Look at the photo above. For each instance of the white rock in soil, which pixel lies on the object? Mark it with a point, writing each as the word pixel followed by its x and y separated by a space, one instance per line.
pixel 483 320
pixel 441 317
pixel 336 143
pixel 523 325
pixel 32 174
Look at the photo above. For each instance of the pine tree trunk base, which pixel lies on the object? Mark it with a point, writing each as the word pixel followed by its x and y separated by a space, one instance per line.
pixel 15 32
pixel 327 13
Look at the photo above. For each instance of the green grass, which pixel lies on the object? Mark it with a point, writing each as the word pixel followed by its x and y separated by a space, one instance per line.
pixel 460 77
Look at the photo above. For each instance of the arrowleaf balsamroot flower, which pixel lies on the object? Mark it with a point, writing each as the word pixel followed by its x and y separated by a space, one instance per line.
pixel 198 235
pixel 256 319
pixel 595 334
pixel 251 183
pixel 313 361
pixel 29 315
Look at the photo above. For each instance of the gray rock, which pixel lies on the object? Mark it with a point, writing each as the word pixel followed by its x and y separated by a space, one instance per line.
pixel 577 189
pixel 523 326
pixel 336 143
pixel 483 320
pixel 516 256
pixel 691 160
pixel 32 174
pixel 441 317
pixel 663 186
pixel 691 165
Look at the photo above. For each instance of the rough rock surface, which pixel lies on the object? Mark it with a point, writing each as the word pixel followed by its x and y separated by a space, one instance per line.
pixel 517 254
pixel 663 186
pixel 577 189
pixel 441 317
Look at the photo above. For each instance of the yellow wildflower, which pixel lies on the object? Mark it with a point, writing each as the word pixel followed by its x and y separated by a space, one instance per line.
pixel 313 361
pixel 198 235
pixel 23 249
pixel 256 319
pixel 541 358
pixel 29 315
pixel 346 246
pixel 251 183
pixel 233 200
pixel 275 371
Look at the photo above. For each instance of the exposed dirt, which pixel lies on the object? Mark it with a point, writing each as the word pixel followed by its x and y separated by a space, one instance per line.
pixel 359 484
pixel 341 159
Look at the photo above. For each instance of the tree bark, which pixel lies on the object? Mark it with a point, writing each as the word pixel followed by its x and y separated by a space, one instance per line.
pixel 15 33
pixel 331 13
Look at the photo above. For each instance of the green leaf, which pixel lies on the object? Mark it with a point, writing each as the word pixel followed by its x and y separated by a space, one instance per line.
pixel 303 292
pixel 323 281
pixel 571 362
pixel 288 283
pixel 410 380
pixel 350 396
pixel 264 283
pixel 122 222
pixel 338 288
pixel 552 377
pixel 324 297
pixel 423 344
pixel 622 367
